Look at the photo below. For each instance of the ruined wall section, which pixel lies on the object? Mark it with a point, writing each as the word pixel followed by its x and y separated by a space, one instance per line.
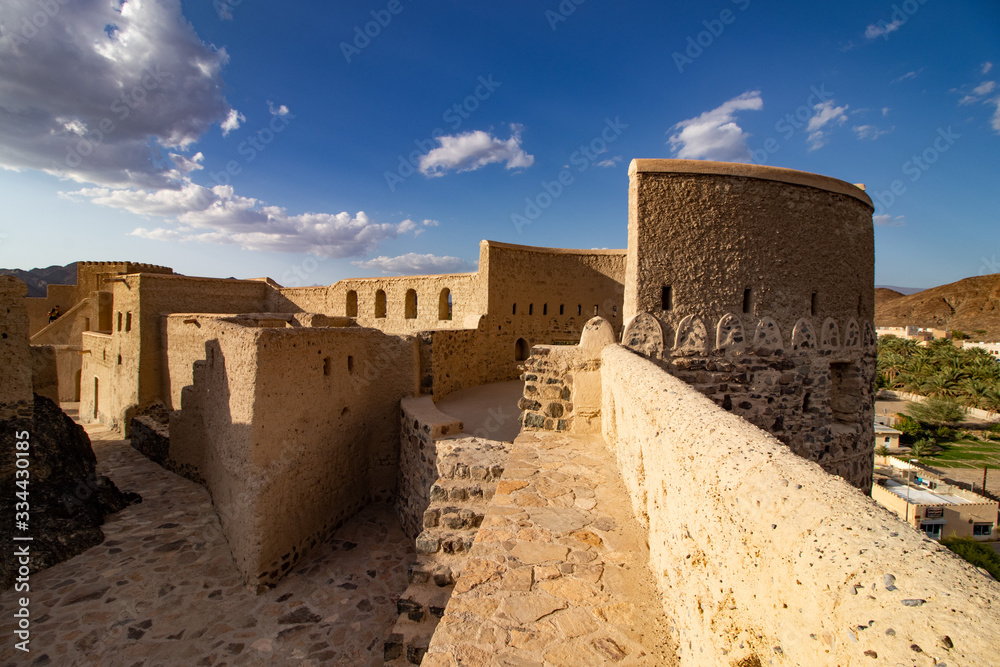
pixel 763 558
pixel 15 362
pixel 760 281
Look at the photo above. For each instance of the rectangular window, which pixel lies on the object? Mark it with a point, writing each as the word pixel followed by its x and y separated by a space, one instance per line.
pixel 667 298
pixel 932 530
pixel 982 529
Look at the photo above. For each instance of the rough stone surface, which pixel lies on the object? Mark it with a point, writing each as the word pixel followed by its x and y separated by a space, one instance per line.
pixel 68 500
pixel 163 590
pixel 558 572
pixel 756 549
pixel 718 252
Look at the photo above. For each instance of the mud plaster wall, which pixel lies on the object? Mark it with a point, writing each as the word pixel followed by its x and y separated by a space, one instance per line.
pixel 15 359
pixel 556 292
pixel 90 277
pixel 288 456
pixel 753 545
pixel 762 281
pixel 141 301
pixel 44 373
pixel 98 389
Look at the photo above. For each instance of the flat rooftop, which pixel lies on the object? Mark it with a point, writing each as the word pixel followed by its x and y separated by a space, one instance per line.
pixel 922 496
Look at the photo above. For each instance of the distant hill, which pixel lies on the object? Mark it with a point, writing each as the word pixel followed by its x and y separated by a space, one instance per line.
pixel 905 291
pixel 37 279
pixel 967 305
pixel 884 295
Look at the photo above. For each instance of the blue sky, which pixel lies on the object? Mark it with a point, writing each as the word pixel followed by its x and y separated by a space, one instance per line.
pixel 315 141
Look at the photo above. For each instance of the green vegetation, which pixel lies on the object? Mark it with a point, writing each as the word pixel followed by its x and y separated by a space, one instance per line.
pixel 977 553
pixel 968 377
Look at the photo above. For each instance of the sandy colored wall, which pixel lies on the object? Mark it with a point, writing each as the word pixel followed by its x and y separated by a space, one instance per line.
pixel 541 282
pixel 15 358
pixel 140 302
pixel 288 456
pixel 959 519
pixel 44 372
pixel 758 551
pixel 101 372
pixel 762 282
pixel 90 277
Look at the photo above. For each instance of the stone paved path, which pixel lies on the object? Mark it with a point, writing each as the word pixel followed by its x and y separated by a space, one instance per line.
pixel 162 588
pixel 558 574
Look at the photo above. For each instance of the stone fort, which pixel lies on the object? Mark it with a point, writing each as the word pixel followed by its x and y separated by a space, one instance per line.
pixel 723 364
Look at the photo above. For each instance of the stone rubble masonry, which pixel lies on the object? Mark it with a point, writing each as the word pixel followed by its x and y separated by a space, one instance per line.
pixel 562 388
pixel 763 558
pixel 422 425
pixel 15 362
pixel 761 280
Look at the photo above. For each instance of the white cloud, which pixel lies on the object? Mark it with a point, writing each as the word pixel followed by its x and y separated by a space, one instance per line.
pixel 232 121
pixel 610 162
pixel 886 220
pixel 281 110
pixel 885 111
pixel 870 132
pixel 147 82
pixel 414 264
pixel 985 67
pixel 907 76
pixel 883 29
pixel 714 135
pixel 826 114
pixel 473 150
pixel 218 215
pixel 142 90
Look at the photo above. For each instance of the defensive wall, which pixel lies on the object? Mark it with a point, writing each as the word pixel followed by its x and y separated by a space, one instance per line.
pixel 755 546
pixel 760 280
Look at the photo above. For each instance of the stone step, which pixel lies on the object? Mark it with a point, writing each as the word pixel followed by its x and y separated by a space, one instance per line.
pixel 454 516
pixel 420 608
pixel 465 491
pixel 434 540
pixel 472 458
pixel 442 569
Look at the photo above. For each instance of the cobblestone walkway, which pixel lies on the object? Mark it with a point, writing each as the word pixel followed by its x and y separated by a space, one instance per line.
pixel 558 572
pixel 162 588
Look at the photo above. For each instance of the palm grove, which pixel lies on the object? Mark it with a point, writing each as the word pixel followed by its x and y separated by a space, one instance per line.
pixel 950 376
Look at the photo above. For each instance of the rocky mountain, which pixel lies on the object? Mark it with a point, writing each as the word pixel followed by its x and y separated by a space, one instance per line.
pixel 37 279
pixel 970 305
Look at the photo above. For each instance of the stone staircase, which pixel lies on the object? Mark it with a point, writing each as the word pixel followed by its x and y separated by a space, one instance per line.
pixel 468 470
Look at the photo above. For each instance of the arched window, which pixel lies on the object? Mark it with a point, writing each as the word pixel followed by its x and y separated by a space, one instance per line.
pixel 444 305
pixel 411 304
pixel 352 304
pixel 380 303
pixel 521 350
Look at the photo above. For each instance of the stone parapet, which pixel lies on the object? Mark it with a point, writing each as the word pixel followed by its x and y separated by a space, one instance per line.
pixel 764 558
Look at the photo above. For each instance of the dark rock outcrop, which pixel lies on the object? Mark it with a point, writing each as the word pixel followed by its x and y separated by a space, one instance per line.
pixel 67 499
